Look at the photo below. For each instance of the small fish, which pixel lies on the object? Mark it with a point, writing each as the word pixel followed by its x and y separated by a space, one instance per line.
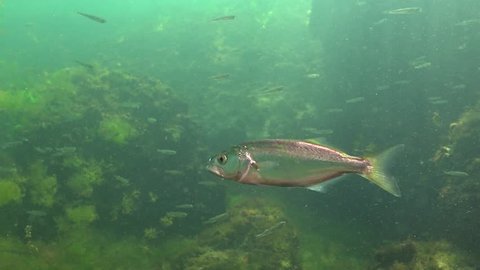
pixel 456 173
pixel 208 183
pixel 174 172
pixel 64 151
pixel 422 65
pixel 36 213
pixel 404 11
pixel 224 18
pixel 292 163
pixel 176 214
pixel 462 46
pixel 216 218
pixel 151 120
pixel 271 90
pixel 220 77
pixel 402 82
pixel 152 197
pixel 85 65
pixel 382 87
pixel 381 21
pixel 313 75
pixel 122 181
pixel 131 105
pixel 271 229
pixel 439 102
pixel 43 150
pixel 13 144
pixel 8 170
pixel 167 152
pixel 334 110
pixel 92 17
pixel 184 206
pixel 468 22
pixel 355 100
pixel 459 87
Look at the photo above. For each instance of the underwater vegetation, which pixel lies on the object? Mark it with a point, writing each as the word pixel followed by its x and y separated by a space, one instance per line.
pixel 10 192
pixel 42 187
pixel 80 249
pixel 115 129
pixel 101 168
pixel 92 151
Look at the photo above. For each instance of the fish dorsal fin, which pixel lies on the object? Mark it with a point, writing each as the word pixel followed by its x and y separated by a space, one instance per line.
pixel 319 140
pixel 323 142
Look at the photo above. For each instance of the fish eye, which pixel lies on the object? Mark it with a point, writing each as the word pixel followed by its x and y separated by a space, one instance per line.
pixel 222 159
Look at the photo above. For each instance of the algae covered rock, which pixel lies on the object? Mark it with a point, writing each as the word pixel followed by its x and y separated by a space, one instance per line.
pixel 254 234
pixel 402 253
pixel 459 185
pixel 95 145
pixel 420 255
pixel 217 260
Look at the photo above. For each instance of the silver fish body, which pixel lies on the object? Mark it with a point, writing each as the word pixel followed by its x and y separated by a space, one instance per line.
pixel 298 164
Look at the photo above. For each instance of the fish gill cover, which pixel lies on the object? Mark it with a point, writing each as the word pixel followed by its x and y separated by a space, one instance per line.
pixel 109 112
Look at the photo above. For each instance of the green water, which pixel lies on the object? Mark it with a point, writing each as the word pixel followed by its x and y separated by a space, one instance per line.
pixel 106 128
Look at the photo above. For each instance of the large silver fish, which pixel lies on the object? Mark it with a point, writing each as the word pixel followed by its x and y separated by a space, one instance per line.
pixel 292 163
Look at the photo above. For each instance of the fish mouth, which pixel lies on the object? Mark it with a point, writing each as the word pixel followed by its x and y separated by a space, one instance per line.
pixel 215 170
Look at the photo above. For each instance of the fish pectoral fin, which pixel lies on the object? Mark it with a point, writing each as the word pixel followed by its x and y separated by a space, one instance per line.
pixel 325 186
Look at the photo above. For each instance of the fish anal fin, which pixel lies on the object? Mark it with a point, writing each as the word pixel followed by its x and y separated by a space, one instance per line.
pixel 326 185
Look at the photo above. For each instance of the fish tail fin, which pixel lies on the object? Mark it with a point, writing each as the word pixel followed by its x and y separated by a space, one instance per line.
pixel 378 172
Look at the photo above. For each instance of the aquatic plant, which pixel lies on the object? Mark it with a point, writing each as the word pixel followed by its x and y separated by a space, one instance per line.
pixel 167 221
pixel 20 110
pixel 41 187
pixel 18 101
pixel 87 174
pixel 10 192
pixel 129 202
pixel 150 233
pixel 83 214
pixel 117 129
